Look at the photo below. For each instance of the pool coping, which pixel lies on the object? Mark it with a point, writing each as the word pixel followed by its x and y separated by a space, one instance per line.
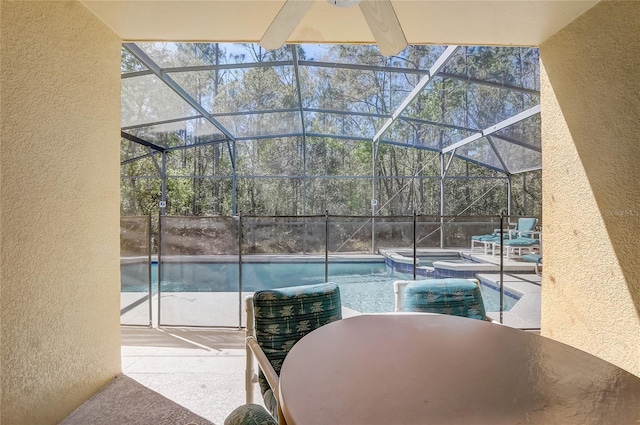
pixel 480 263
pixel 525 314
pixel 258 258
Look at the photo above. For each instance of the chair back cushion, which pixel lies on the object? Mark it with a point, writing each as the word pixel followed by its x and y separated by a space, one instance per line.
pixel 525 224
pixel 459 297
pixel 284 315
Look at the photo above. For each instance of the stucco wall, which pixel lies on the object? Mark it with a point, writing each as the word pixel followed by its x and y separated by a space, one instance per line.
pixel 591 183
pixel 0 221
pixel 59 209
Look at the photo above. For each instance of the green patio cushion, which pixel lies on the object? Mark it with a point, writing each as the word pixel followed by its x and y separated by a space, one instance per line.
pixel 284 315
pixel 526 223
pixel 487 238
pixel 459 297
pixel 532 258
pixel 250 414
pixel 521 242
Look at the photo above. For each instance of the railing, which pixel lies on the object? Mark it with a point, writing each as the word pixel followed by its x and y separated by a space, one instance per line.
pixel 206 265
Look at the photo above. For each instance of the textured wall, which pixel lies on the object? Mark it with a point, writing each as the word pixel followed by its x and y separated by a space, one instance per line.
pixel 591 183
pixel 0 221
pixel 59 209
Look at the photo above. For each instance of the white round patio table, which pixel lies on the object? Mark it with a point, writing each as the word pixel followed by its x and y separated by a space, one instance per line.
pixel 396 369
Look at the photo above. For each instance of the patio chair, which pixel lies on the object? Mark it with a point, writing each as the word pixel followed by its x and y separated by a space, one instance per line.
pixel 519 246
pixel 459 297
pixel 524 227
pixel 485 241
pixel 534 258
pixel 276 320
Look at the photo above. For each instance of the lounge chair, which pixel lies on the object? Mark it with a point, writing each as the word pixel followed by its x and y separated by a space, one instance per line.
pixel 534 258
pixel 459 297
pixel 524 228
pixel 485 241
pixel 516 247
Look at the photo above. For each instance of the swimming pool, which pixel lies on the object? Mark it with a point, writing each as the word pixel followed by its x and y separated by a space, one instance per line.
pixel 366 287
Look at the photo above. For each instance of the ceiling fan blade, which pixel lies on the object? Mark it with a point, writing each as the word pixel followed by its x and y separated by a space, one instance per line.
pixel 384 26
pixel 284 23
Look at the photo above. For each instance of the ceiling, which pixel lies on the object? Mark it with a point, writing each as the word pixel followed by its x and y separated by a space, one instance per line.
pixel 505 142
pixel 470 22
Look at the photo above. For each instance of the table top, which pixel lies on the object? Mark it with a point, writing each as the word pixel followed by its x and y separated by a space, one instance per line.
pixel 408 368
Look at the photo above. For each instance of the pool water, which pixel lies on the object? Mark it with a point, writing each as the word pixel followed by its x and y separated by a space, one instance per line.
pixel 374 293
pixel 366 287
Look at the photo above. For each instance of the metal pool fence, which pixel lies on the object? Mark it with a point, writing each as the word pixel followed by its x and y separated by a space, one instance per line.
pixel 224 258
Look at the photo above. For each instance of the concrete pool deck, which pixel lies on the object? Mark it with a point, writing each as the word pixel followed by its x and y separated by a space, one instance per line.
pixel 198 309
pixel 200 369
pixel 525 314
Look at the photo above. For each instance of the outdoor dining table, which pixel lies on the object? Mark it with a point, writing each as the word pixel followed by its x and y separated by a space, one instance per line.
pixel 421 368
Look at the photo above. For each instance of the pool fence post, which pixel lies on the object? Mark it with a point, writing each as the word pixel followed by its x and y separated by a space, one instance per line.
pixel 415 262
pixel 160 215
pixel 149 271
pixel 239 269
pixel 326 245
pixel 502 215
